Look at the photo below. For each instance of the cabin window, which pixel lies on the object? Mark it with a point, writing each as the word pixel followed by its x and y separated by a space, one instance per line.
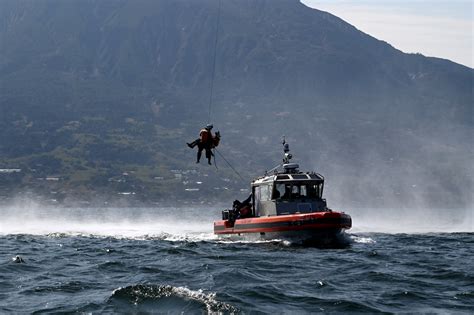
pixel 286 191
pixel 312 191
pixel 257 193
pixel 256 200
pixel 300 176
pixel 315 191
pixel 269 192
pixel 282 191
pixel 295 191
pixel 265 192
pixel 303 191
pixel 278 191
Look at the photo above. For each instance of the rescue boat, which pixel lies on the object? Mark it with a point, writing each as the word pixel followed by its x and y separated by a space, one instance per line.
pixel 285 203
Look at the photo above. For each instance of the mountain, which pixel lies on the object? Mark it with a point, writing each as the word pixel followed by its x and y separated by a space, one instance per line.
pixel 97 98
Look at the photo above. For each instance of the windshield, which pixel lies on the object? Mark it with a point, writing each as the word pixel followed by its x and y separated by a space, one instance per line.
pixel 287 191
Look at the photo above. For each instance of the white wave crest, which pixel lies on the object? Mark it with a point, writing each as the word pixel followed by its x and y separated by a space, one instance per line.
pixel 137 293
pixel 362 240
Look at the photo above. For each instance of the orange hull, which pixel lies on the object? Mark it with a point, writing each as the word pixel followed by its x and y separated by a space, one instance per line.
pixel 304 222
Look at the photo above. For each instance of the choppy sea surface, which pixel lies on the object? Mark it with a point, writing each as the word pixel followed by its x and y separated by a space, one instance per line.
pixel 167 260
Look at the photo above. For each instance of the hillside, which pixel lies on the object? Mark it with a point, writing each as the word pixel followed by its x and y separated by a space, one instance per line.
pixel 102 96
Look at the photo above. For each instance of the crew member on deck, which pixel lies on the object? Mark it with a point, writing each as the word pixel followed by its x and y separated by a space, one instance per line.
pixel 244 208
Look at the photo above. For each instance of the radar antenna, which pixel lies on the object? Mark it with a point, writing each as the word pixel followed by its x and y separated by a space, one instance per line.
pixel 288 166
pixel 286 148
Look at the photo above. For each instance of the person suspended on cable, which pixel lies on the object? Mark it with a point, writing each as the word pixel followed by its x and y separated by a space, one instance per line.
pixel 206 141
pixel 203 136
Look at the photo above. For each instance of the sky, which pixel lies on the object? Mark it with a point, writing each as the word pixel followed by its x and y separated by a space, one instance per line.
pixel 434 28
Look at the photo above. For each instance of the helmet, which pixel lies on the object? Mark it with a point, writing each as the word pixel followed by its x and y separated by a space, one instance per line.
pixel 209 126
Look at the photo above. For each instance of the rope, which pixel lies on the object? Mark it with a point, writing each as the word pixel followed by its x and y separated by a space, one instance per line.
pixel 215 164
pixel 214 62
pixel 230 166
pixel 212 89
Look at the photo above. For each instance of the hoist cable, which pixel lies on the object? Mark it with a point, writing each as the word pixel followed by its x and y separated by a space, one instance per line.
pixel 214 62
pixel 230 165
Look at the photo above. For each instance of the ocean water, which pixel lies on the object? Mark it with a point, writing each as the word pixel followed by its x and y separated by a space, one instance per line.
pixel 167 260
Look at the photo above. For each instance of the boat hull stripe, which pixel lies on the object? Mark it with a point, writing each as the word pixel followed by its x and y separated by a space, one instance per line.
pixel 285 225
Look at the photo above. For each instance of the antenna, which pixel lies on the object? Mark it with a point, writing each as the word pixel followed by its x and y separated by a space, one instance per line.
pixel 286 149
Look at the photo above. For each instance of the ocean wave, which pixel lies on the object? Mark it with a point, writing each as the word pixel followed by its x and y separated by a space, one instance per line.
pixel 178 298
pixel 159 236
pixel 362 239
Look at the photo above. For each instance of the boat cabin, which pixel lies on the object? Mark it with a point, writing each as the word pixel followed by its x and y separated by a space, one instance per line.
pixel 288 192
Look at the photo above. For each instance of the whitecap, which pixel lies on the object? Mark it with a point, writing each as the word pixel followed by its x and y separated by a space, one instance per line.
pixel 362 239
pixel 137 293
